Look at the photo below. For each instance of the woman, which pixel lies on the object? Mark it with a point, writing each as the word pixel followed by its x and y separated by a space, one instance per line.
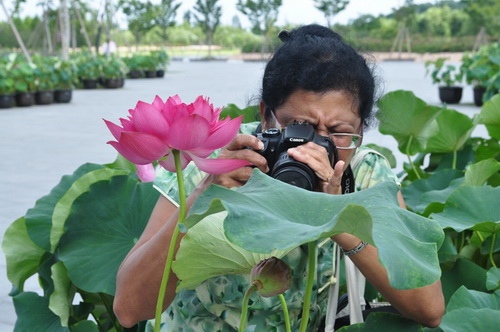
pixel 313 77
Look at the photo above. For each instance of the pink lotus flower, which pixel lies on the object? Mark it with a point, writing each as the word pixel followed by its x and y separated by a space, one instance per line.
pixel 152 131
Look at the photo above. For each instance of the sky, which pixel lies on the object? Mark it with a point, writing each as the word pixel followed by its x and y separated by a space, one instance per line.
pixel 292 11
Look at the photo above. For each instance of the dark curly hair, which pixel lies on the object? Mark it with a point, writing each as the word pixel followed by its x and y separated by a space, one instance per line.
pixel 315 58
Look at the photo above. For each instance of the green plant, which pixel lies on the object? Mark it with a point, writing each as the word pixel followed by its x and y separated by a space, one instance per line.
pixel 161 59
pixel 89 68
pixel 66 75
pixel 443 73
pixel 482 69
pixel 23 74
pixel 6 81
pixel 113 67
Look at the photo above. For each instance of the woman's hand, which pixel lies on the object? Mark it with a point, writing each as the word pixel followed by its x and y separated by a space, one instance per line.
pixel 241 147
pixel 316 157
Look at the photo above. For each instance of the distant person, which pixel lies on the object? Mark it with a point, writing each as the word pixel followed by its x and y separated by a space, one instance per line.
pixel 109 47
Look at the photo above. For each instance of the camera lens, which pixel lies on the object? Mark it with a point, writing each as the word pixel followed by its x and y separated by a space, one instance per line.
pixel 293 172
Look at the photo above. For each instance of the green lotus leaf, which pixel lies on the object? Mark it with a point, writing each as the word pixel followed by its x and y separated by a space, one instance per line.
pixel 408 119
pixel 477 174
pixel 267 214
pixel 103 225
pixel 45 221
pixel 60 300
pixel 85 326
pixel 470 310
pixel 33 314
pixel 454 130
pixel 384 321
pixel 435 189
pixel 493 278
pixel 205 252
pixel 490 116
pixel 22 255
pixel 463 273
pixel 471 207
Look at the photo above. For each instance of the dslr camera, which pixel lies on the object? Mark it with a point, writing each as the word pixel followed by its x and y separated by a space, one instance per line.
pixel 285 168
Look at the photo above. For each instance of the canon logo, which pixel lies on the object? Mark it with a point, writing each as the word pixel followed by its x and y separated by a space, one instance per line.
pixel 296 139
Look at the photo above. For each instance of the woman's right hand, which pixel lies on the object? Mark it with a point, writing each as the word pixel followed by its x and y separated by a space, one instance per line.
pixel 241 147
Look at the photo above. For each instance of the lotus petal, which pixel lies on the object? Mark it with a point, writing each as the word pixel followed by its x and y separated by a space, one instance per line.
pixel 146 172
pixel 158 103
pixel 169 162
pixel 142 146
pixel 150 120
pixel 218 166
pixel 115 130
pixel 223 135
pixel 188 132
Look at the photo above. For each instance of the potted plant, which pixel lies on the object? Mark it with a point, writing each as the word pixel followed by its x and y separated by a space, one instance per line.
pixel 89 72
pixel 24 83
pixel 446 75
pixel 45 79
pixel 482 71
pixel 161 58
pixel 135 65
pixel 66 73
pixel 6 86
pixel 113 72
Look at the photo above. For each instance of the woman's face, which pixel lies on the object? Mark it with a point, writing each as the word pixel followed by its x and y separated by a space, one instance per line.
pixel 330 112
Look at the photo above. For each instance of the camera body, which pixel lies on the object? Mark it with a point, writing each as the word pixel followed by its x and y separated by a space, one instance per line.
pixel 285 168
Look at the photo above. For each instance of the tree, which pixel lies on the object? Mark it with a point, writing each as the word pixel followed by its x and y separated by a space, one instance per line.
pixel 140 17
pixel 208 19
pixel 164 16
pixel 262 14
pixel 330 8
pixel 484 13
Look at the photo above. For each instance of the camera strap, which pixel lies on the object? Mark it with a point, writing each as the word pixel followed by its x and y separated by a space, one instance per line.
pixel 348 185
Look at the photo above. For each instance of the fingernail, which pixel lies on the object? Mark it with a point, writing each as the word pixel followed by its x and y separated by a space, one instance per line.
pixel 261 145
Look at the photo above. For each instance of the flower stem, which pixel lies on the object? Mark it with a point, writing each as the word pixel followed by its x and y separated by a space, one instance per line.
pixel 409 157
pixel 311 271
pixel 454 163
pixel 492 246
pixel 173 241
pixel 286 316
pixel 244 307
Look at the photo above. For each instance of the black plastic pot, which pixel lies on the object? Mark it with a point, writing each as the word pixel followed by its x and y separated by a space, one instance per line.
pixel 150 73
pixel 450 94
pixel 89 83
pixel 121 81
pixel 44 97
pixel 135 74
pixel 160 73
pixel 478 95
pixel 24 99
pixel 6 101
pixel 62 96
pixel 111 83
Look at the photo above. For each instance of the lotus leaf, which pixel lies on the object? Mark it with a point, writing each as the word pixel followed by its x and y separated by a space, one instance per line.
pixel 33 314
pixel 490 116
pixel 478 173
pixel 22 255
pixel 267 214
pixel 472 207
pixel 454 130
pixel 408 119
pixel 493 278
pixel 103 225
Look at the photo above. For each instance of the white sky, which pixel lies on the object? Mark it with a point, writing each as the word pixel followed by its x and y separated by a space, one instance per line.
pixel 292 11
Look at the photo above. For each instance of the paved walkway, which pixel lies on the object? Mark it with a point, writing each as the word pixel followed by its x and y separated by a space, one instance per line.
pixel 40 144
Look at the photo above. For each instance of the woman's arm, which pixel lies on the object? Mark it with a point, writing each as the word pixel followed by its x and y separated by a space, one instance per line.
pixel 425 305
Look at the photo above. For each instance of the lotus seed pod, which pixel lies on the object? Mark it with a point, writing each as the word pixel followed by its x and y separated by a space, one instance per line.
pixel 271 277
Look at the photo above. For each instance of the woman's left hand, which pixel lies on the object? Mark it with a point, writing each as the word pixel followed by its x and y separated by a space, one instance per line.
pixel 316 157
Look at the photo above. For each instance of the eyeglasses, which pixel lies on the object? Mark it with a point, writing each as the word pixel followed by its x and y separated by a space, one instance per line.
pixel 344 141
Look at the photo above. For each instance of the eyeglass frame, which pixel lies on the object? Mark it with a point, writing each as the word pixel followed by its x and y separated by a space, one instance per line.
pixel 359 135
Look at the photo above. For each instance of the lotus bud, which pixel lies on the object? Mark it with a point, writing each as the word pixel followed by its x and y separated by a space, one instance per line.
pixel 271 277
